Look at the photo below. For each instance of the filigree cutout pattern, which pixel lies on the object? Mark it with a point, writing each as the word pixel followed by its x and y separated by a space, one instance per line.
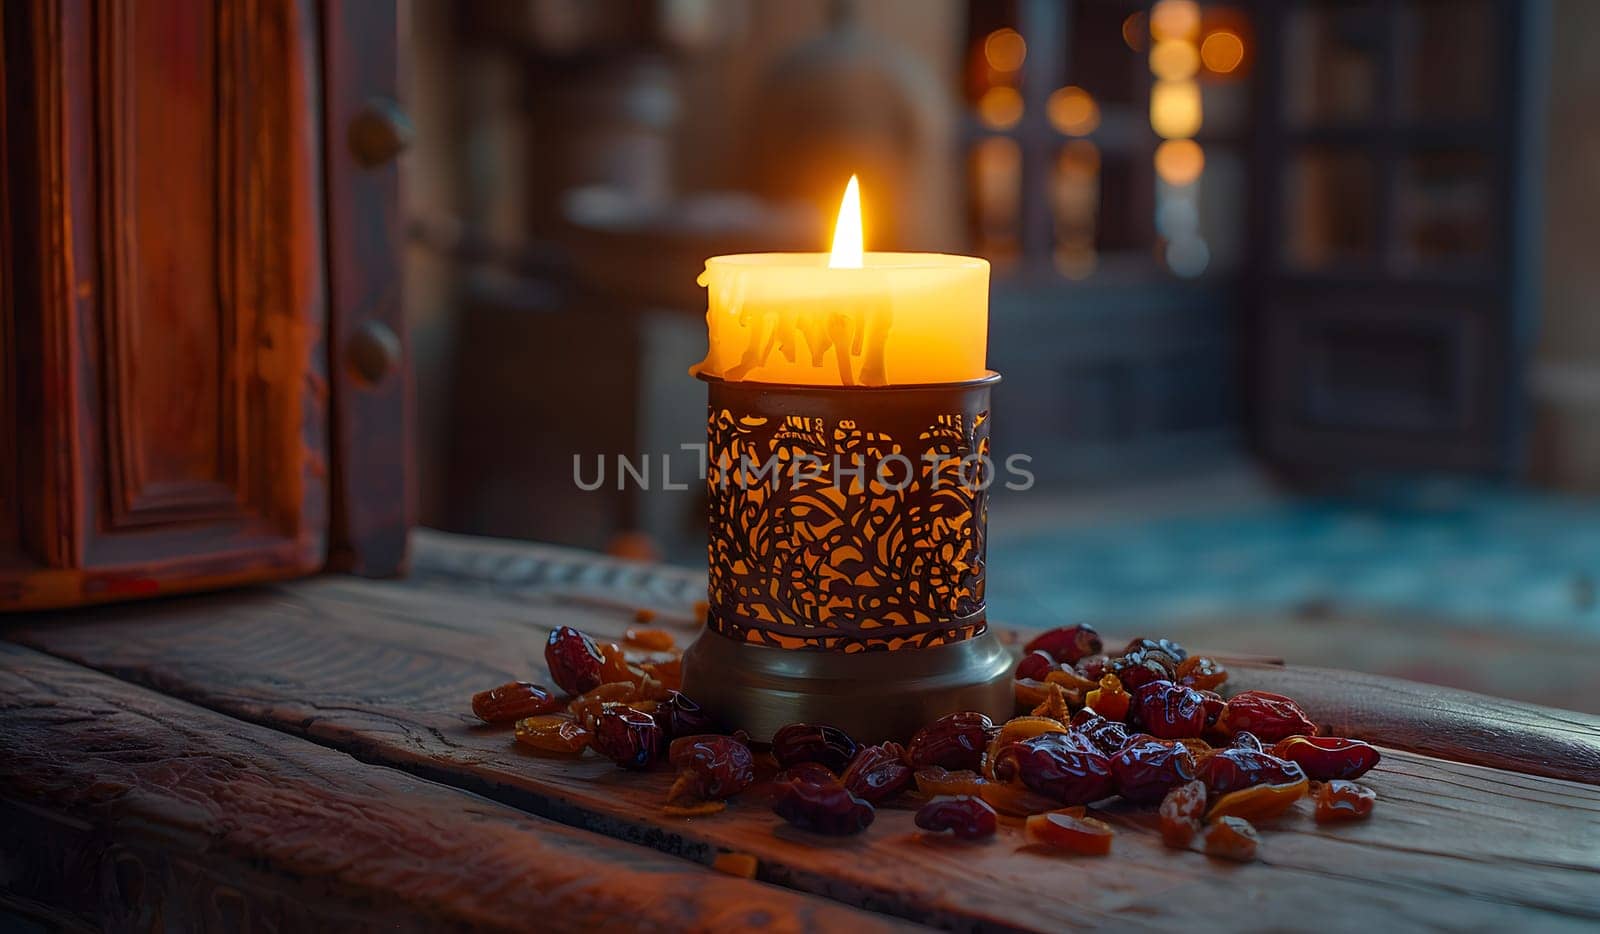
pixel 806 555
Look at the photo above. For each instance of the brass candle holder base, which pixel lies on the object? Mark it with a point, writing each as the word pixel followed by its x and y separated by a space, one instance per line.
pixel 873 696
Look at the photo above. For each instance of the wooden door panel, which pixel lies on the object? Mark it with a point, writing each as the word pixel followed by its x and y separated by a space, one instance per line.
pixel 175 349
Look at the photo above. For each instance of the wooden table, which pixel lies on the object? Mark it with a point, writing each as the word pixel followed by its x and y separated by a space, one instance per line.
pixel 301 755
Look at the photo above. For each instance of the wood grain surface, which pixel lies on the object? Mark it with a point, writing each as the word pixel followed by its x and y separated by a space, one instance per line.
pixel 164 814
pixel 382 670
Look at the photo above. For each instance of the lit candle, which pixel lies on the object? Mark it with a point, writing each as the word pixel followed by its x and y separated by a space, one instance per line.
pixel 846 318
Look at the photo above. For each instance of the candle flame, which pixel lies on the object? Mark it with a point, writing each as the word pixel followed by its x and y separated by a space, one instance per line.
pixel 847 238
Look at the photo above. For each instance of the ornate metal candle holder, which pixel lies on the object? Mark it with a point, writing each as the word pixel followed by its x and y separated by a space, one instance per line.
pixel 847 537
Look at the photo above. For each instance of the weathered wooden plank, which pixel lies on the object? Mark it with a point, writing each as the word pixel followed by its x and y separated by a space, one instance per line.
pixel 1439 721
pixel 1443 722
pixel 383 670
pixel 126 809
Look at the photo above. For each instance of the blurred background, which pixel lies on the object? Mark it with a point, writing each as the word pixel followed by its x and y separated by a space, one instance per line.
pixel 1293 300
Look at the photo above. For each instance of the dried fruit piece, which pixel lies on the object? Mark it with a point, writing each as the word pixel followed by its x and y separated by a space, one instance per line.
pixel 1109 700
pixel 1244 739
pixel 1141 668
pixel 1229 770
pixel 1014 730
pixel 742 865
pixel 1148 767
pixel 1015 799
pixel 1167 647
pixel 1066 643
pixel 825 809
pixel 1069 679
pixel 574 660
pixel 961 816
pixel 692 808
pixel 553 734
pixel 720 765
pixel 614 665
pixel 1181 811
pixel 587 707
pixel 669 672
pixel 628 737
pixel 656 640
pixel 1327 757
pixel 1171 711
pixel 1085 836
pixel 878 773
pixel 1340 800
pixel 1092 667
pixel 1054 705
pixel 1029 693
pixel 1053 765
pixel 1034 666
pixel 934 781
pixel 680 716
pixel 1232 838
pixel 814 772
pixel 1258 802
pixel 1107 735
pixel 1269 716
pixel 1199 671
pixel 813 742
pixel 954 741
pixel 513 701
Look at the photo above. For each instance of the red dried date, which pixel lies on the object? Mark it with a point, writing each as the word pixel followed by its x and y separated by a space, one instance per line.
pixel 1067 643
pixel 963 817
pixel 878 773
pixel 1139 669
pixel 575 662
pixel 628 737
pixel 1055 765
pixel 954 742
pixel 1107 735
pixel 1244 739
pixel 1233 769
pixel 1170 711
pixel 1034 666
pixel 1269 716
pixel 1147 767
pixel 680 716
pixel 1092 667
pixel 826 809
pixel 721 765
pixel 1327 757
pixel 513 701
pixel 813 742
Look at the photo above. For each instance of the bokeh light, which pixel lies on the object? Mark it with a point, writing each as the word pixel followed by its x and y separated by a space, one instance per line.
pixel 1135 33
pixel 1222 51
pixel 1073 111
pixel 1175 109
pixel 1180 161
pixel 1188 256
pixel 1000 108
pixel 1174 59
pixel 1175 19
pixel 1005 50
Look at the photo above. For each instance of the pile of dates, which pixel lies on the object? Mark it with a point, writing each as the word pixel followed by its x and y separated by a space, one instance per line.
pixel 1145 726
